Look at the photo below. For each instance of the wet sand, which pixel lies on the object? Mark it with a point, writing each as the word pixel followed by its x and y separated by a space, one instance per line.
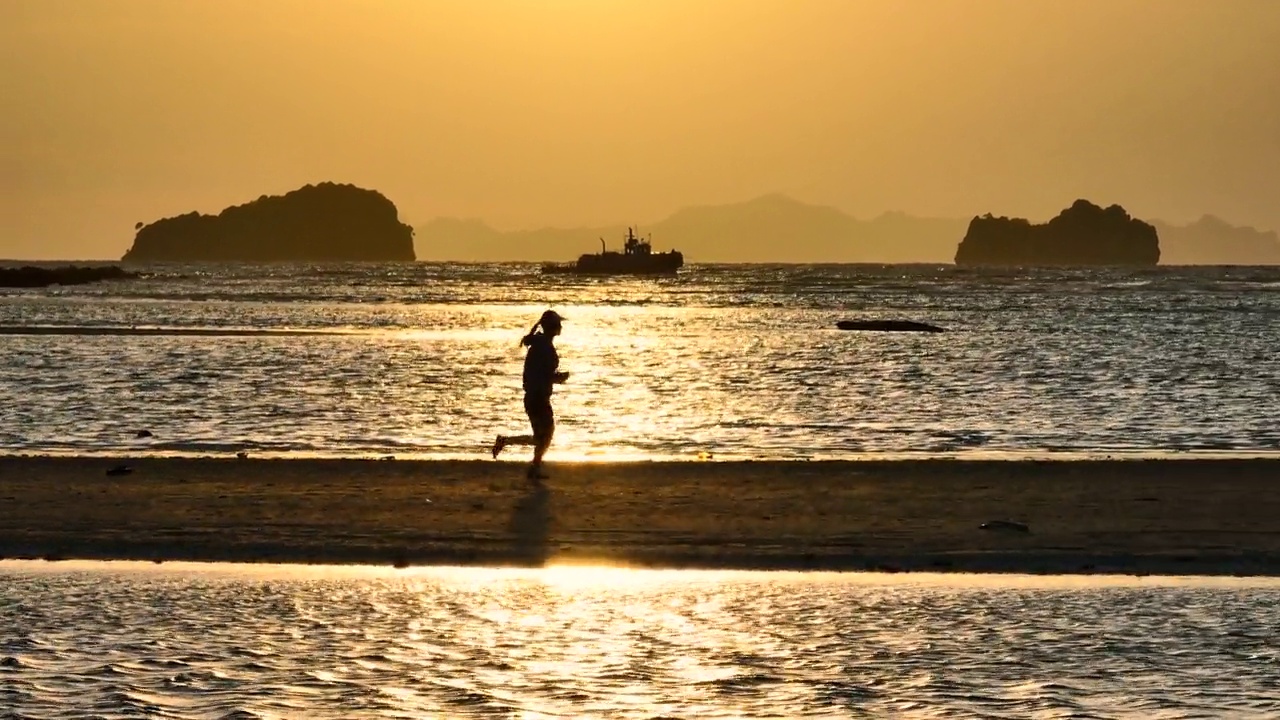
pixel 1181 517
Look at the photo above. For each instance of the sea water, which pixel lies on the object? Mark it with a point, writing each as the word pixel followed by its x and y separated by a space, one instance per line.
pixel 422 360
pixel 122 640
pixel 719 362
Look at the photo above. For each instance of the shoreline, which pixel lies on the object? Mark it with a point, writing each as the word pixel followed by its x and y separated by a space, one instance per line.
pixel 1192 516
pixel 150 449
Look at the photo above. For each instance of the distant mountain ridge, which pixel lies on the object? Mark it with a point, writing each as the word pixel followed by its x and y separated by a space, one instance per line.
pixel 771 228
pixel 776 228
pixel 1213 241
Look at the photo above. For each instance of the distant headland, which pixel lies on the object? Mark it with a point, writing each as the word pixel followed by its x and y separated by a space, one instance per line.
pixel 31 276
pixel 315 223
pixel 1083 234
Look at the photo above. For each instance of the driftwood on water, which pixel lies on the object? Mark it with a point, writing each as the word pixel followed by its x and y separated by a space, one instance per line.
pixel 888 326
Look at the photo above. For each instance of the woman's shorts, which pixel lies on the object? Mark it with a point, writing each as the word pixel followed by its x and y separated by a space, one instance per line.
pixel 541 417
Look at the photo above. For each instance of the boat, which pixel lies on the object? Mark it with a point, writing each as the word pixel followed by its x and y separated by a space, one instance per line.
pixel 637 258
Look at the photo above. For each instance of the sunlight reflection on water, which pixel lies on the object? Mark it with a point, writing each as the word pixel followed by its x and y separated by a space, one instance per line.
pixel 218 641
pixel 736 362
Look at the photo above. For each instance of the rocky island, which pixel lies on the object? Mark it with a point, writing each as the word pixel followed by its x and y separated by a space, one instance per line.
pixel 1083 234
pixel 315 223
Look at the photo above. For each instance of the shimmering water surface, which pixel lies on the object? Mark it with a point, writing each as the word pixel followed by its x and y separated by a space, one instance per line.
pixel 734 361
pixel 121 640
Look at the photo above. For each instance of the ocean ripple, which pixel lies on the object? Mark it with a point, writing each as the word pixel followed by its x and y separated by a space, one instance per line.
pixel 421 360
pixel 183 641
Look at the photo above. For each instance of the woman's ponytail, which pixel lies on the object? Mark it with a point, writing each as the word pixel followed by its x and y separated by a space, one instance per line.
pixel 527 340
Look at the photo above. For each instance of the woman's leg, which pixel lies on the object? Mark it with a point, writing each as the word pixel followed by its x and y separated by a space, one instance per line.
pixel 542 439
pixel 538 409
pixel 543 421
pixel 505 440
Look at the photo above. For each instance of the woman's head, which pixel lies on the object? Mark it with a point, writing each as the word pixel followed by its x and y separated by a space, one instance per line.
pixel 549 324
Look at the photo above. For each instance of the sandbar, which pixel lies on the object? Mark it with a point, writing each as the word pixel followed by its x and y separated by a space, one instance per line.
pixel 1146 517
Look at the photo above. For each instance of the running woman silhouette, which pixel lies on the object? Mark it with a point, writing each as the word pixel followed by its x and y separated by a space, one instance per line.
pixel 541 373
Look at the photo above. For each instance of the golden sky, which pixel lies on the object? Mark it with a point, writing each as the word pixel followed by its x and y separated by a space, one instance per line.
pixel 571 112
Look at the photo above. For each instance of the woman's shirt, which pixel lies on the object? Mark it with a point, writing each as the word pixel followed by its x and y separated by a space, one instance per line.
pixel 540 365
